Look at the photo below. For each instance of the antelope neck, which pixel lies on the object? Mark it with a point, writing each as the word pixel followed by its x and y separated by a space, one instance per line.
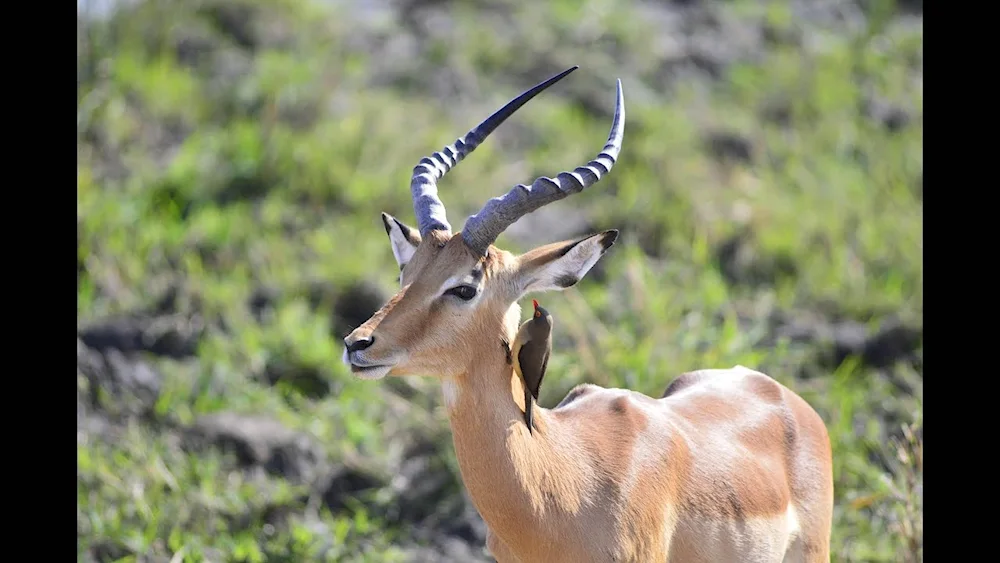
pixel 504 467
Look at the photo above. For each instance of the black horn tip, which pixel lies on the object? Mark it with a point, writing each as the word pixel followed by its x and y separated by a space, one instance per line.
pixel 561 75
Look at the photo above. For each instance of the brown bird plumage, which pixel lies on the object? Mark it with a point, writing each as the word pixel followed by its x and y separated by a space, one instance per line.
pixel 531 350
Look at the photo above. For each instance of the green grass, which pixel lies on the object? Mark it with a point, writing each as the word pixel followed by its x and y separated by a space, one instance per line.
pixel 266 161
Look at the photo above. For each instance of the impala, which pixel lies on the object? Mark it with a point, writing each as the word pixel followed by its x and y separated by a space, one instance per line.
pixel 727 466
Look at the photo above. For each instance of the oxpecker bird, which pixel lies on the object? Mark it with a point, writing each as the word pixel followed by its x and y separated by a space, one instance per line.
pixel 531 350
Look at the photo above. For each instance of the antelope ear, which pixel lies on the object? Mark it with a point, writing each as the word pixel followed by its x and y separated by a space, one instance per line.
pixel 561 265
pixel 404 239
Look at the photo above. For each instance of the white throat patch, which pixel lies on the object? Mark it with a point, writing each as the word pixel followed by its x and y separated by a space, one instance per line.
pixel 451 393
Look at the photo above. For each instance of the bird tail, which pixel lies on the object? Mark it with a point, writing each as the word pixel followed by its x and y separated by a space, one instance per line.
pixel 528 400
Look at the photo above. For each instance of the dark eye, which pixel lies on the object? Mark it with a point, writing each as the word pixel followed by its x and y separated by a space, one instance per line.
pixel 463 292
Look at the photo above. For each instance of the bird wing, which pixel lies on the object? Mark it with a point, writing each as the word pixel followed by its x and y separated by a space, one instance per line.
pixel 520 339
pixel 541 374
pixel 533 361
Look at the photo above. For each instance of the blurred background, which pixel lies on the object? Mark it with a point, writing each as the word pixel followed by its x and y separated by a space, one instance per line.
pixel 233 158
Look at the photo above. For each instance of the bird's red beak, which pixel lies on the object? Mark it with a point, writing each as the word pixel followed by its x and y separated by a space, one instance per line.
pixel 534 302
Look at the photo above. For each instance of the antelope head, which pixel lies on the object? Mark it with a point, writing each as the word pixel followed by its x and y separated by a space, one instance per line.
pixel 458 292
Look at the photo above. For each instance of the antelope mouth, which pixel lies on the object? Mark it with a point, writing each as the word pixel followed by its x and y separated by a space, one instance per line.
pixel 362 369
pixel 366 370
pixel 372 371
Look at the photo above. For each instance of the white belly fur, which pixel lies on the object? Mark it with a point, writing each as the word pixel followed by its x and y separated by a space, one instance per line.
pixel 757 540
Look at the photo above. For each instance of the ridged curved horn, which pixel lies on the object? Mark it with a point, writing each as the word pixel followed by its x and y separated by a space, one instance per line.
pixel 427 205
pixel 482 229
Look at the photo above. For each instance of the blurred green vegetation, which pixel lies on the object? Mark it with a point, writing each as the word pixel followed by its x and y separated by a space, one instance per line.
pixel 768 181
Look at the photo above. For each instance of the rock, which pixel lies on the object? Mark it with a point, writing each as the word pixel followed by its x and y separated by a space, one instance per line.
pixel 892 116
pixel 777 109
pixel 729 146
pixel 432 498
pixel 426 498
pixel 449 551
pixel 170 336
pixel 468 525
pixel 742 262
pixel 425 486
pixel 422 554
pixel 348 481
pixel 308 380
pixel 893 341
pixel 882 348
pixel 356 305
pixel 261 441
pixel 108 551
pixel 176 302
pixel 131 382
pixel 775 35
pixel 90 363
pixel 321 295
pixel 105 551
pixel 236 20
pixel 95 427
pixel 261 303
pixel 269 513
pixel 166 303
pixel 81 262
pixel 133 374
pixel 194 44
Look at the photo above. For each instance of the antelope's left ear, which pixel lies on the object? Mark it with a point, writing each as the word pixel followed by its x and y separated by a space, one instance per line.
pixel 562 264
pixel 404 239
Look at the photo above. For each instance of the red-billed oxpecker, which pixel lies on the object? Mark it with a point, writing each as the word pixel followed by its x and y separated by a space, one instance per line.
pixel 531 350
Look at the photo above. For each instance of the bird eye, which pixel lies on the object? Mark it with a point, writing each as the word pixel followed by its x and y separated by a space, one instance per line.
pixel 463 292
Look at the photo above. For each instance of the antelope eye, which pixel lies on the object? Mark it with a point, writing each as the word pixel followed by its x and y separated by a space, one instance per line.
pixel 463 292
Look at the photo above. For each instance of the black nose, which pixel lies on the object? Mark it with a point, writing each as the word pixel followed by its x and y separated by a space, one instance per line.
pixel 360 344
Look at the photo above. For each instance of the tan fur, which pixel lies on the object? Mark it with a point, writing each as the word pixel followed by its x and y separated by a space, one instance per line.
pixel 727 466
